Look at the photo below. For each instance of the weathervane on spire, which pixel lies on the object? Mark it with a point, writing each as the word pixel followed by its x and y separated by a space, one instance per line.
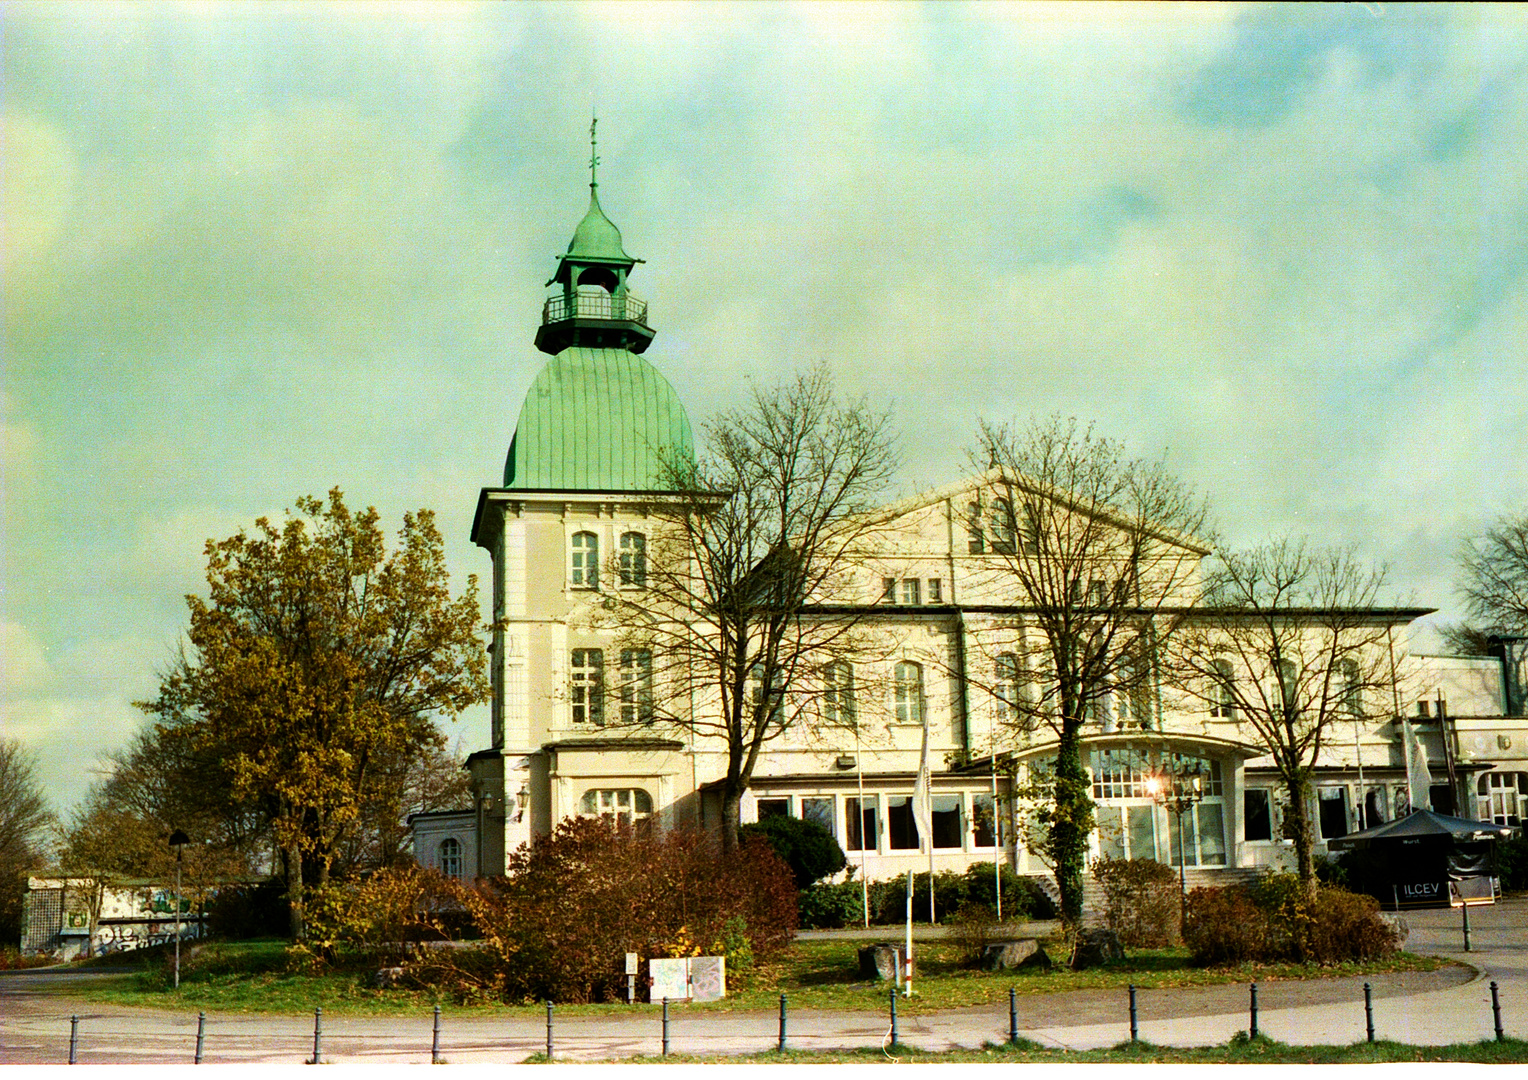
pixel 594 158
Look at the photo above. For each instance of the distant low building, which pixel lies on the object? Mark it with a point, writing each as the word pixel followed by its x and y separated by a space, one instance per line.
pixel 69 917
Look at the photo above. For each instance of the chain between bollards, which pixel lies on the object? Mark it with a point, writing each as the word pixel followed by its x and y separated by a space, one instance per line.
pixel 781 1046
pixel 1135 1029
pixel 1369 1011
pixel 1013 1016
pixel 435 1039
pixel 893 999
pixel 665 1028
pixel 201 1034
pixel 318 1037
pixel 1252 1029
pixel 74 1037
pixel 549 1030
pixel 1496 1012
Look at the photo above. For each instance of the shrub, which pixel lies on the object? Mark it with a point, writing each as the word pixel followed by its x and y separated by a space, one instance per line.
pixel 1512 862
pixel 1018 893
pixel 973 927
pixel 1141 900
pixel 577 900
pixel 242 912
pixel 375 921
pixel 825 906
pixel 1275 920
pixel 888 899
pixel 807 848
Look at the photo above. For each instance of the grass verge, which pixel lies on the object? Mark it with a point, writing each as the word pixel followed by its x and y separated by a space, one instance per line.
pixel 252 977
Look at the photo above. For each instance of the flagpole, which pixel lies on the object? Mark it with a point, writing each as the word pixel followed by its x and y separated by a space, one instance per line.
pixel 859 769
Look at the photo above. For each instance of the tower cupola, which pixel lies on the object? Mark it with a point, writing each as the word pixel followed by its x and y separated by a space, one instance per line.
pixel 588 303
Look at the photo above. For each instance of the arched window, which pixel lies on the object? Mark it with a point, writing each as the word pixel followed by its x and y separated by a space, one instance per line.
pixel 838 693
pixel 636 686
pixel 634 560
pixel 976 538
pixel 1008 689
pixel 909 692
pixel 1352 691
pixel 586 560
pixel 1002 527
pixel 1224 702
pixel 627 805
pixel 450 857
pixel 586 690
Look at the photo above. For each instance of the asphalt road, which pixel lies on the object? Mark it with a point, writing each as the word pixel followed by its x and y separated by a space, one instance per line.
pixel 1453 1005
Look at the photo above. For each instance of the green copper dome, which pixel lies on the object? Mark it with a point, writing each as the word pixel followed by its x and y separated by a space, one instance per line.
pixel 596 237
pixel 597 420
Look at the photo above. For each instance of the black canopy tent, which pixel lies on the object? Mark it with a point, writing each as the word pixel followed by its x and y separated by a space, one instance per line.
pixel 1425 859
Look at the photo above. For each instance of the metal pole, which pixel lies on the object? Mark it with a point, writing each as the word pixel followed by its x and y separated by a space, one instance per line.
pixel 549 1030
pixel 1182 875
pixel 201 1033
pixel 435 1039
pixel 178 851
pixel 74 1037
pixel 1369 1011
pixel 1464 907
pixel 318 1036
pixel 1135 1030
pixel 1253 1029
pixel 893 997
pixel 665 1028
pixel 1496 1012
pixel 781 1047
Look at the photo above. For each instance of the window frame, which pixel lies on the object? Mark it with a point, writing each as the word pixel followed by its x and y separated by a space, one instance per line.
pixel 584 564
pixel 907 692
pixel 586 687
pixel 450 863
pixel 636 670
pixel 838 700
pixel 633 550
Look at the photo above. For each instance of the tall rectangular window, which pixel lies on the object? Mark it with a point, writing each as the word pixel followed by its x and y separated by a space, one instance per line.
pixel 838 693
pixel 860 823
pixel 983 821
pixel 758 693
pixel 1333 806
pixel 1224 706
pixel 909 693
pixel 1002 526
pixel 976 539
pixel 910 591
pixel 889 589
pixel 769 808
pixel 946 821
pixel 1008 689
pixel 634 560
pixel 901 830
pixel 586 560
pixel 1257 815
pixel 819 809
pixel 636 686
pixel 587 686
pixel 1352 691
pixel 935 591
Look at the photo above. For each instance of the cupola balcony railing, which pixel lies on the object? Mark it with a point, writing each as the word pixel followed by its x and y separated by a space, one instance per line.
pixel 594 305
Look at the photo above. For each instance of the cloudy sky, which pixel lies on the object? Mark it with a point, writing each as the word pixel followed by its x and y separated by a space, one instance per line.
pixel 258 251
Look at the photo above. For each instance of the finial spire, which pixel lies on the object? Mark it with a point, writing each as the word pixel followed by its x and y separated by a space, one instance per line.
pixel 594 158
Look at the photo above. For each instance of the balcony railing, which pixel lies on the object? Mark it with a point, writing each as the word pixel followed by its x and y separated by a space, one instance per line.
pixel 594 305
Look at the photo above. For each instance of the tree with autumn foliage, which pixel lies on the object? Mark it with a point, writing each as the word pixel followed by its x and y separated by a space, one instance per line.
pixel 317 661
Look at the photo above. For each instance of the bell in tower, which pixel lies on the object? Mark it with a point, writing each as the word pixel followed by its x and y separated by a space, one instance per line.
pixel 588 303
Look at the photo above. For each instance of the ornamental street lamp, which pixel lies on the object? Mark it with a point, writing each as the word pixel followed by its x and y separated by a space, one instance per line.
pixel 1177 790
pixel 178 841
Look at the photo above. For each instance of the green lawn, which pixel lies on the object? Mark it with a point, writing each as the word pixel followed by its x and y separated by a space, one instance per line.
pixel 1241 1050
pixel 252 977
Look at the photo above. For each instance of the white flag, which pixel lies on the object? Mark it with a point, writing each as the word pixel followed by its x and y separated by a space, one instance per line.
pixel 923 809
pixel 1418 776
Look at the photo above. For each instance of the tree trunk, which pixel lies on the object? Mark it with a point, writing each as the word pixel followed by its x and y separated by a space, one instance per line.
pixel 292 856
pixel 1298 826
pixel 1072 823
pixel 732 809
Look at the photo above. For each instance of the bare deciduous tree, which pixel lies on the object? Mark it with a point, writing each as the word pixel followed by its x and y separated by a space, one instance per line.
pixel 718 639
pixel 1495 582
pixel 24 821
pixel 1291 641
pixel 1097 553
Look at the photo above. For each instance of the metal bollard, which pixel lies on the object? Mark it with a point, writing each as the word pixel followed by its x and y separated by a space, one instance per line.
pixel 74 1037
pixel 893 996
pixel 781 1046
pixel 1496 1012
pixel 1252 1031
pixel 1013 1016
pixel 549 1030
pixel 1135 1030
pixel 665 1027
pixel 1369 1011
pixel 318 1036
pixel 1465 909
pixel 435 1039
pixel 201 1034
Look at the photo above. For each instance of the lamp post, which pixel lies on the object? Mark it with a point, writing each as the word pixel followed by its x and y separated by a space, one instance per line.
pixel 1177 790
pixel 178 841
